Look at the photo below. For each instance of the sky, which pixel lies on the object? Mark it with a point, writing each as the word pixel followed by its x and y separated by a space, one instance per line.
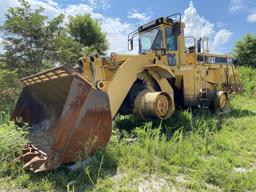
pixel 223 21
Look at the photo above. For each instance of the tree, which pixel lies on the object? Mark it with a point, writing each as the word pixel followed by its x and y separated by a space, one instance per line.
pixel 245 51
pixel 32 42
pixel 68 50
pixel 87 31
pixel 28 37
pixel 82 35
pixel 10 87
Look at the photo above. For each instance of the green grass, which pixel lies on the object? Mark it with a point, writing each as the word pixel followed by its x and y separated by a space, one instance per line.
pixel 12 141
pixel 188 152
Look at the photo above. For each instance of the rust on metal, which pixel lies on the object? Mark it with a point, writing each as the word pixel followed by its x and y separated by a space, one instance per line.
pixel 65 112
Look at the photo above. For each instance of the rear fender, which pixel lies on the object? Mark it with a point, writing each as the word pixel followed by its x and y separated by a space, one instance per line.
pixel 161 73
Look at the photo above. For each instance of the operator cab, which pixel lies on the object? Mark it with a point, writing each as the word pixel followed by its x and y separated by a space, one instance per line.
pixel 165 36
pixel 160 34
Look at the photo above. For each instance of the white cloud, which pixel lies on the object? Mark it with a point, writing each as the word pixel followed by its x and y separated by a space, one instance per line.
pixel 104 4
pixel 236 5
pixel 117 33
pixel 51 2
pixel 135 14
pixel 200 27
pixel 221 38
pixel 252 17
pixel 51 8
pixel 79 9
pixel 195 24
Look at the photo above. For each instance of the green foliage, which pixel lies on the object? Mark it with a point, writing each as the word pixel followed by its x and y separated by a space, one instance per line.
pixel 88 32
pixel 248 80
pixel 12 140
pixel 69 50
pixel 33 42
pixel 28 37
pixel 245 51
pixel 9 89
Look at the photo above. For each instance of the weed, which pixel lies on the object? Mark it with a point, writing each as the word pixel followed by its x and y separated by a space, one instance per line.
pixel 12 141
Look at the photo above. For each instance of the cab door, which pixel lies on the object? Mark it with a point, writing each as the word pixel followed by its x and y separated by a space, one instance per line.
pixel 171 46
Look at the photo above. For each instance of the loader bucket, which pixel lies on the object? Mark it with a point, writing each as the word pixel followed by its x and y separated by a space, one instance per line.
pixel 66 116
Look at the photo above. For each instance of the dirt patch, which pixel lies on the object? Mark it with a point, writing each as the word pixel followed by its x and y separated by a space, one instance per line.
pixel 245 170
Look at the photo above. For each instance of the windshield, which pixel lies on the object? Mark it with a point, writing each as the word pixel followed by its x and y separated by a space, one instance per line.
pixel 151 40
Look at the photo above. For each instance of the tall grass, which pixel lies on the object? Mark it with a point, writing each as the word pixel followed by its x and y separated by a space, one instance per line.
pixel 12 141
pixel 190 137
pixel 248 80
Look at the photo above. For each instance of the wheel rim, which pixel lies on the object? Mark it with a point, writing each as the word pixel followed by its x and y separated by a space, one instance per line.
pixel 162 105
pixel 223 101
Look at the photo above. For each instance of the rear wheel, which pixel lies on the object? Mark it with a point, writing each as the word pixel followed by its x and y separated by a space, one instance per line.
pixel 220 103
pixel 223 102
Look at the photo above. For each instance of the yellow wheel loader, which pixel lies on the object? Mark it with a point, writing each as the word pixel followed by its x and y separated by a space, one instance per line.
pixel 67 108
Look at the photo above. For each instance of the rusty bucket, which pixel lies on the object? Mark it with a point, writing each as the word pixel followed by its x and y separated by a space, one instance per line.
pixel 65 113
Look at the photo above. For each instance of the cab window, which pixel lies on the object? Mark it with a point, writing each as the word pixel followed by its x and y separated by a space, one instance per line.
pixel 158 42
pixel 171 39
pixel 151 40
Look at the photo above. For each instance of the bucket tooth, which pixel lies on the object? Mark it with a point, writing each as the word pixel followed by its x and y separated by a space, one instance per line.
pixel 29 155
pixel 35 162
pixel 42 168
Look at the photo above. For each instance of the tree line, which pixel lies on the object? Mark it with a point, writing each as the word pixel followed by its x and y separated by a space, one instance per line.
pixel 245 51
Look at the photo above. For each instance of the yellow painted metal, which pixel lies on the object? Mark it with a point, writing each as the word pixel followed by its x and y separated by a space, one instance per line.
pixel 118 58
pixel 117 73
pixel 123 80
pixel 181 46
pixel 190 80
pixel 190 75
pixel 86 68
pixel 191 58
pixel 93 71
pixel 164 85
pixel 163 70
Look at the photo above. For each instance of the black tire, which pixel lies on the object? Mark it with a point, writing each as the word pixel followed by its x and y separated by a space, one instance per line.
pixel 214 103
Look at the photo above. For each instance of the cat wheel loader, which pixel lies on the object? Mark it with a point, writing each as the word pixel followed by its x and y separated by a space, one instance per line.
pixel 67 107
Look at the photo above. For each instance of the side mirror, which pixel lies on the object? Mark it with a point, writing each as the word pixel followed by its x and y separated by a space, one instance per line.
pixel 130 44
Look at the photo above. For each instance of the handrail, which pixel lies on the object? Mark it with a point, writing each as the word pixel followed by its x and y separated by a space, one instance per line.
pixel 173 15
